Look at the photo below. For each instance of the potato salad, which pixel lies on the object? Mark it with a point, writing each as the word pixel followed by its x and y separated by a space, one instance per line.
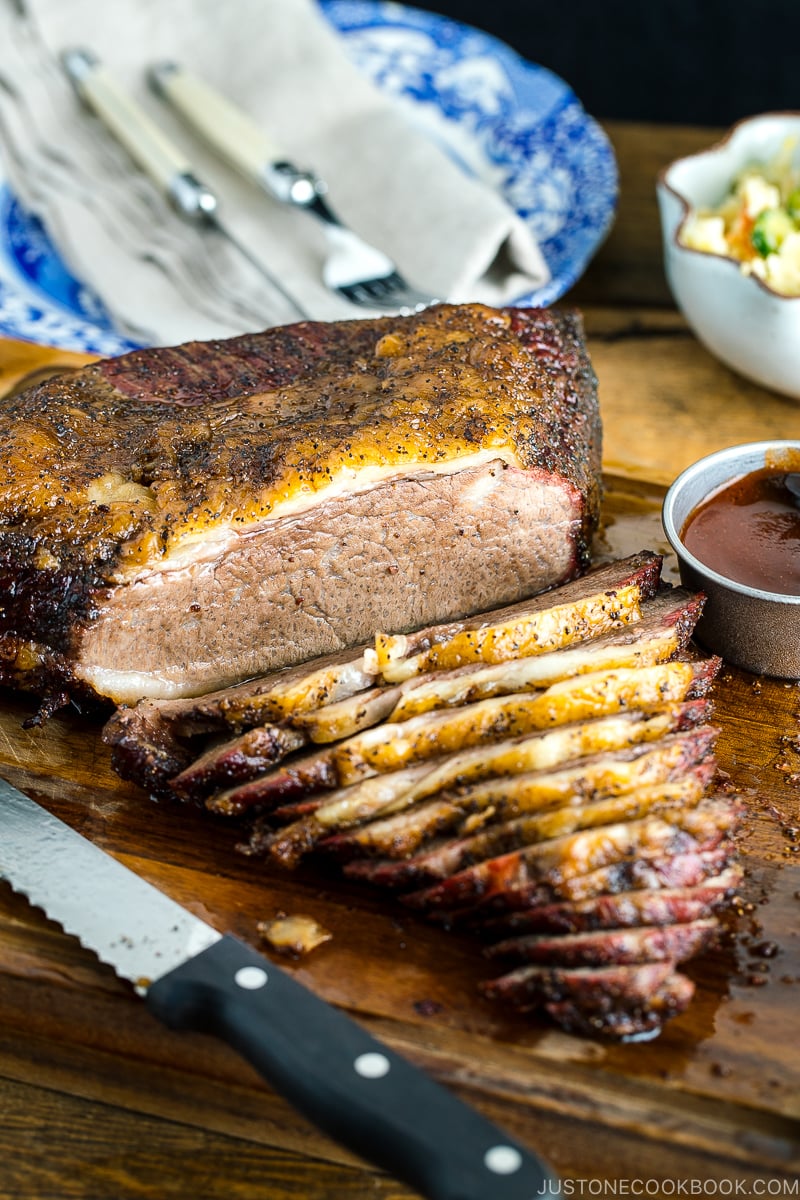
pixel 757 223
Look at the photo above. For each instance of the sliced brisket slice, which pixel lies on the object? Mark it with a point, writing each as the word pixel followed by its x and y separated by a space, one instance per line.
pixel 686 869
pixel 344 807
pixel 295 690
pixel 362 711
pixel 534 752
pixel 156 740
pixel 632 873
pixel 612 1001
pixel 656 906
pixel 463 810
pixel 278 790
pixel 604 947
pixel 391 746
pixel 582 610
pixel 663 631
pixel 452 855
pixel 542 789
pixel 145 750
pixel 243 757
pixel 553 863
pixel 540 751
pixel 596 990
pixel 639 1019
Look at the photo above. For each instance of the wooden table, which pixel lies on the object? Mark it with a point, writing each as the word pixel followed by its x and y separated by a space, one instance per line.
pixel 125 1111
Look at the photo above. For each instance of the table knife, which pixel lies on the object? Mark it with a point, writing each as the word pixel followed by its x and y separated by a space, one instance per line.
pixel 150 148
pixel 356 1089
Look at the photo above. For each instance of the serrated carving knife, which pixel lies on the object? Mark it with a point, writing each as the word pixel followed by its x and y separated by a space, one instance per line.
pixel 356 1089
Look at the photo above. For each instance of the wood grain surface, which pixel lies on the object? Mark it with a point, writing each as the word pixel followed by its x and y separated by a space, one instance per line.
pixel 98 1100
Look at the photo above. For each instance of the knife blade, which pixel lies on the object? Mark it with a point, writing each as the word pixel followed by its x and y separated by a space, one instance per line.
pixel 150 148
pixel 355 1088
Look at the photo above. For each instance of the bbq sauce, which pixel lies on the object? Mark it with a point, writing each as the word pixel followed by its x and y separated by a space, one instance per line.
pixel 749 531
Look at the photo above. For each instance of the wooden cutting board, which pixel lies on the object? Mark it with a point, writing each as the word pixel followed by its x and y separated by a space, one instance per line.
pixel 716 1096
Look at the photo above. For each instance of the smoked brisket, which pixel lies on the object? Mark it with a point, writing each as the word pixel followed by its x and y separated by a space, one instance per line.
pixel 178 520
pixel 542 775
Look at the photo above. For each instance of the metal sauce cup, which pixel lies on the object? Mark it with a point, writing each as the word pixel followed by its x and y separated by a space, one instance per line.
pixel 748 627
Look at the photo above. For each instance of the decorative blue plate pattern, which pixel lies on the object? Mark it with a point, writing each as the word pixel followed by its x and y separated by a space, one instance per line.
pixel 513 124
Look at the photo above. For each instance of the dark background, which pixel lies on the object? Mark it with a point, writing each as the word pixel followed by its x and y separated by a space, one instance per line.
pixel 700 62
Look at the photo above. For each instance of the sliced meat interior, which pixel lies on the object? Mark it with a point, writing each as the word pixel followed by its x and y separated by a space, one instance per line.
pixel 393 745
pixel 150 738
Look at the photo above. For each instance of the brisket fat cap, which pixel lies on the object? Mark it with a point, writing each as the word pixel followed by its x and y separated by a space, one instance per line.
pixel 177 519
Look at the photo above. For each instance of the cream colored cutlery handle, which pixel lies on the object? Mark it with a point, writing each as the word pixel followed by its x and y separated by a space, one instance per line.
pixel 141 137
pixel 236 136
pixel 165 163
pixel 231 132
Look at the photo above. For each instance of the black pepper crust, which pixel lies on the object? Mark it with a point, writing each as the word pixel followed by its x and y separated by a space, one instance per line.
pixel 107 469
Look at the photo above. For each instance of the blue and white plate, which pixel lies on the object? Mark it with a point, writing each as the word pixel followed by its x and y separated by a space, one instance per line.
pixel 513 124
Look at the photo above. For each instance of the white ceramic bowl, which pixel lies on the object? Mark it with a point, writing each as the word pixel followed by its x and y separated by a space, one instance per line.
pixel 737 317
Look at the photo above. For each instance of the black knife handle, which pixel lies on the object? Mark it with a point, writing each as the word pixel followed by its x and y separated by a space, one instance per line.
pixel 353 1087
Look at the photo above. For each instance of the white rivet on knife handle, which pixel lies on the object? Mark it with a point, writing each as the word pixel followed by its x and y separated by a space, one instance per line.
pixel 250 978
pixel 503 1160
pixel 372 1065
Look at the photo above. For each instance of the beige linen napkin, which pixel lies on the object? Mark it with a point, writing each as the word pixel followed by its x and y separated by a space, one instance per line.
pixel 165 281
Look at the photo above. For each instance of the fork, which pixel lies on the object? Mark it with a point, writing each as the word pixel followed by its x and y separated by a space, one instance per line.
pixel 356 270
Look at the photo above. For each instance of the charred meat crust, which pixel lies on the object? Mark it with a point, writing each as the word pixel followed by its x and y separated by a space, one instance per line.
pixel 213 432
